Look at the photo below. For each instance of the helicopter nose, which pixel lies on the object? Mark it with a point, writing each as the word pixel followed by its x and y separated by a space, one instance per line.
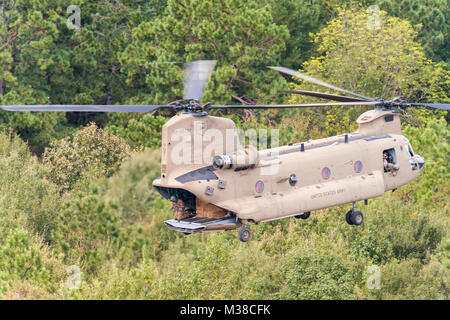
pixel 420 162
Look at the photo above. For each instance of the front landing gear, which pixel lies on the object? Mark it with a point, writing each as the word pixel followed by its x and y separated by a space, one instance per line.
pixel 354 217
pixel 244 234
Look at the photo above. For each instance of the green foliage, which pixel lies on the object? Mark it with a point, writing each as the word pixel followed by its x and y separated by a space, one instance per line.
pixel 21 259
pixel 377 62
pixel 410 279
pixel 30 65
pixel 38 129
pixel 431 20
pixel 28 30
pixel 112 228
pixel 142 130
pixel 432 143
pixel 23 188
pixel 380 242
pixel 28 269
pixel 302 18
pixel 96 75
pixel 89 201
pixel 244 39
pixel 90 149
pixel 318 277
pixel 110 218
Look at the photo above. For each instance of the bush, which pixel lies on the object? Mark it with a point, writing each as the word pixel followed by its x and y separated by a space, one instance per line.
pixel 25 192
pixel 432 187
pixel 112 218
pixel 91 149
pixel 137 130
pixel 319 277
pixel 410 279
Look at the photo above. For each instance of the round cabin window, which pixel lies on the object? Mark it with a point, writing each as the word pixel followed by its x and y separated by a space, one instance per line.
pixel 358 166
pixel 259 186
pixel 326 173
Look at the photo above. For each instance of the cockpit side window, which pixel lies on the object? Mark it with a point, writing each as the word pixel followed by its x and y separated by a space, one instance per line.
pixel 408 149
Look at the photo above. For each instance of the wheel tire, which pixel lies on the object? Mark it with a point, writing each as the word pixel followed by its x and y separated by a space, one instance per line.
pixel 347 217
pixel 305 215
pixel 244 234
pixel 357 218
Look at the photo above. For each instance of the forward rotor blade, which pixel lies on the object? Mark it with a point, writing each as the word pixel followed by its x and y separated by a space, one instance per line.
pixel 328 96
pixel 302 105
pixel 85 108
pixel 442 106
pixel 317 81
pixel 196 76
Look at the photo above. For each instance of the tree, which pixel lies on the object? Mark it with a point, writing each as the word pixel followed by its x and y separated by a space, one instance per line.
pixel 302 18
pixel 244 40
pixel 92 150
pixel 430 18
pixel 380 62
pixel 106 31
pixel 30 58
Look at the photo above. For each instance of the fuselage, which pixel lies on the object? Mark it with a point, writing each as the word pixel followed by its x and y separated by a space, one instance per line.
pixel 290 180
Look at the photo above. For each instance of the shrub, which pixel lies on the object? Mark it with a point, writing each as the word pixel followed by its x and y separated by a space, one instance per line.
pixel 115 218
pixel 90 149
pixel 432 187
pixel 319 277
pixel 26 194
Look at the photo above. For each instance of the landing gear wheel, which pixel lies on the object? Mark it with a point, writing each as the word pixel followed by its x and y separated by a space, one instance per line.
pixel 303 216
pixel 347 217
pixel 244 234
pixel 356 218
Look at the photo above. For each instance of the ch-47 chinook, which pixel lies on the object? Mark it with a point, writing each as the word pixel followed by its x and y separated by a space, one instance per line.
pixel 217 184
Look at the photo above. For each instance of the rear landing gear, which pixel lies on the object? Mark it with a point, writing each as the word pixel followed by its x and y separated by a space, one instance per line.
pixel 244 234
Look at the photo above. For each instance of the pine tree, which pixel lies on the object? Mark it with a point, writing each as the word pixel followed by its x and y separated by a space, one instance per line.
pixel 29 59
pixel 244 40
pixel 431 18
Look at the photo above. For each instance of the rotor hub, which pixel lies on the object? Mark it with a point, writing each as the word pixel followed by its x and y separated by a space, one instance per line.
pixel 194 107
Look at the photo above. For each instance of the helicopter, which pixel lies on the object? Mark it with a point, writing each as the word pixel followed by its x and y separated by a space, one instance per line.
pixel 216 184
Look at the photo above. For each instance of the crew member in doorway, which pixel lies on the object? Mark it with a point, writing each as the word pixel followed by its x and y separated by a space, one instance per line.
pixel 388 165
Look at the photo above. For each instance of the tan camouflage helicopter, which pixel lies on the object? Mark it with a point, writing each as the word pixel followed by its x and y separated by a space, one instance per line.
pixel 215 183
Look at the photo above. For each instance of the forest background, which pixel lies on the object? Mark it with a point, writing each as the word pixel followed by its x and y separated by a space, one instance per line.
pixel 79 216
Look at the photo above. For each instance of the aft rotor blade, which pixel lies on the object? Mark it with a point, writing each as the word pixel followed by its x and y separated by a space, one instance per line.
pixel 317 81
pixel 328 96
pixel 442 106
pixel 196 76
pixel 85 108
pixel 302 105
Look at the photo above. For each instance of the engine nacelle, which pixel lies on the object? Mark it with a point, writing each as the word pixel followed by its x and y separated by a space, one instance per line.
pixel 246 157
